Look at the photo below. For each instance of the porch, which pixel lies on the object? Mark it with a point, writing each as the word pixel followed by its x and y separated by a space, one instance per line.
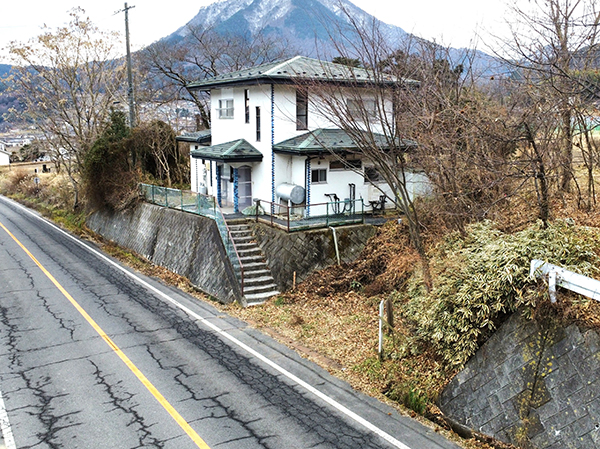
pixel 281 216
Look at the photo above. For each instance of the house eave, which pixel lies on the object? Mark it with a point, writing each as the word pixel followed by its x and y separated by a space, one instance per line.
pixel 228 160
pixel 205 87
pixel 310 152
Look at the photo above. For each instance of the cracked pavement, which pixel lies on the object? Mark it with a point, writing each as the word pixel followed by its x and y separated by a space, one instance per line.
pixel 64 387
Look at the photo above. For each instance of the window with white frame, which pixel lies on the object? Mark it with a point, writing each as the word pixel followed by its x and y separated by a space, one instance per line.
pixel 247 105
pixel 301 109
pixel 225 108
pixel 361 109
pixel 258 123
pixel 318 176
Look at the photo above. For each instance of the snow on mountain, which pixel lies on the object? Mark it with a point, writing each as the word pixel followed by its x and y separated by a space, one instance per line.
pixel 309 27
pixel 304 23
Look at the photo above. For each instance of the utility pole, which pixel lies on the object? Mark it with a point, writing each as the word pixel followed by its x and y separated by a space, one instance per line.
pixel 130 95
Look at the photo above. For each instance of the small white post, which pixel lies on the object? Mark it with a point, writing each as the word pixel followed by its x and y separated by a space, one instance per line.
pixel 381 330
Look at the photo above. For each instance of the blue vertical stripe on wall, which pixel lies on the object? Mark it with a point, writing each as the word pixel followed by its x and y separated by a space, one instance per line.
pixel 218 180
pixel 272 145
pixel 236 201
pixel 197 183
pixel 307 187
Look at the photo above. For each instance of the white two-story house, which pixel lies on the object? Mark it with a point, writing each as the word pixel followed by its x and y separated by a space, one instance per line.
pixel 272 141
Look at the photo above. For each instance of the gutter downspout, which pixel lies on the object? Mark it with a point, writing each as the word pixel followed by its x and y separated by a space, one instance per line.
pixel 335 242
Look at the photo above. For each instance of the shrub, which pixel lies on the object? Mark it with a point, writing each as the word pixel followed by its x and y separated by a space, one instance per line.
pixel 109 178
pixel 21 181
pixel 485 275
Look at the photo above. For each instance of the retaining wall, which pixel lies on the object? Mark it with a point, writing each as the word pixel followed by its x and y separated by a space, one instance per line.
pixel 535 385
pixel 190 245
pixel 187 244
pixel 307 251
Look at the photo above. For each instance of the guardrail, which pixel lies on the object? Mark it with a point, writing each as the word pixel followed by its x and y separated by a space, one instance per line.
pixel 198 204
pixel 322 215
pixel 558 276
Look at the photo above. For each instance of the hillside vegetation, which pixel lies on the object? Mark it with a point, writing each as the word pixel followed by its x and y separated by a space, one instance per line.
pixel 479 279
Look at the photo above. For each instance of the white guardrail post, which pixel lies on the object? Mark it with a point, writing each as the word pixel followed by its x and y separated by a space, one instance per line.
pixel 558 276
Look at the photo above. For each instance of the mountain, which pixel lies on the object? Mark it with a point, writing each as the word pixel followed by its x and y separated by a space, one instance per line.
pixel 308 25
pixel 4 69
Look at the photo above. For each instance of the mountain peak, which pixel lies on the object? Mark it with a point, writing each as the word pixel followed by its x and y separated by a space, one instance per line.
pixel 305 24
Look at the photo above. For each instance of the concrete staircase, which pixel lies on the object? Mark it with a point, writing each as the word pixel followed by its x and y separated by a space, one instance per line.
pixel 259 284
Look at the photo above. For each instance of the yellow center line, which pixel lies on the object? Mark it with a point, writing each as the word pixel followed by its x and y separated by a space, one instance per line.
pixel 143 379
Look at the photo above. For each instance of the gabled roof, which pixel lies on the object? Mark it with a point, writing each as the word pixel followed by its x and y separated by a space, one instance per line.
pixel 201 137
pixel 294 70
pixel 332 140
pixel 235 151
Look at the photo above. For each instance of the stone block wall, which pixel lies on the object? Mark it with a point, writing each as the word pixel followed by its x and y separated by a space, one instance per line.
pixel 535 385
pixel 186 244
pixel 305 251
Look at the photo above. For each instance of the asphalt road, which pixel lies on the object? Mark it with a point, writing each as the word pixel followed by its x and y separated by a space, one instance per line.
pixel 95 355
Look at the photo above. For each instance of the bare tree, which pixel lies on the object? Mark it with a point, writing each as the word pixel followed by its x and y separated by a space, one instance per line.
pixel 69 79
pixel 553 44
pixel 458 128
pixel 204 53
pixel 364 105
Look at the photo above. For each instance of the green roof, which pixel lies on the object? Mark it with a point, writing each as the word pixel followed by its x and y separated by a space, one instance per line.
pixel 236 151
pixel 201 137
pixel 296 69
pixel 333 140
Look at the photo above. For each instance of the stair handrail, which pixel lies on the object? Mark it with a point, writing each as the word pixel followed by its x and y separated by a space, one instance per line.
pixel 149 192
pixel 219 214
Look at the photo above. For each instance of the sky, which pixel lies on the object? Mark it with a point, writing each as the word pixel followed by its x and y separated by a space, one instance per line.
pixel 453 23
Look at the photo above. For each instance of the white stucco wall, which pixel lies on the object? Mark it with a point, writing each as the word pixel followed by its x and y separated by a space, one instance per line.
pixel 288 169
pixel 338 182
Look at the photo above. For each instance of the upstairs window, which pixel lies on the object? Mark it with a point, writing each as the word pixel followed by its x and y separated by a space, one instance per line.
pixel 318 176
pixel 258 123
pixel 225 109
pixel 301 109
pixel 247 105
pixel 361 109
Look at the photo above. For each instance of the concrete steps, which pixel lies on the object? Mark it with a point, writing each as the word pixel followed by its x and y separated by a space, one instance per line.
pixel 259 284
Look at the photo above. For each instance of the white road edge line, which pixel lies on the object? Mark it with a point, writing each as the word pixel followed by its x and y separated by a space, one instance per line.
pixel 9 440
pixel 341 408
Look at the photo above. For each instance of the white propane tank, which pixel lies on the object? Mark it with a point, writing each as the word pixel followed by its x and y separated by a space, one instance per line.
pixel 291 192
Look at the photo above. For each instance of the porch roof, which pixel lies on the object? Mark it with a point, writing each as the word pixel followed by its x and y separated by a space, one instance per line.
pixel 200 137
pixel 236 151
pixel 323 140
